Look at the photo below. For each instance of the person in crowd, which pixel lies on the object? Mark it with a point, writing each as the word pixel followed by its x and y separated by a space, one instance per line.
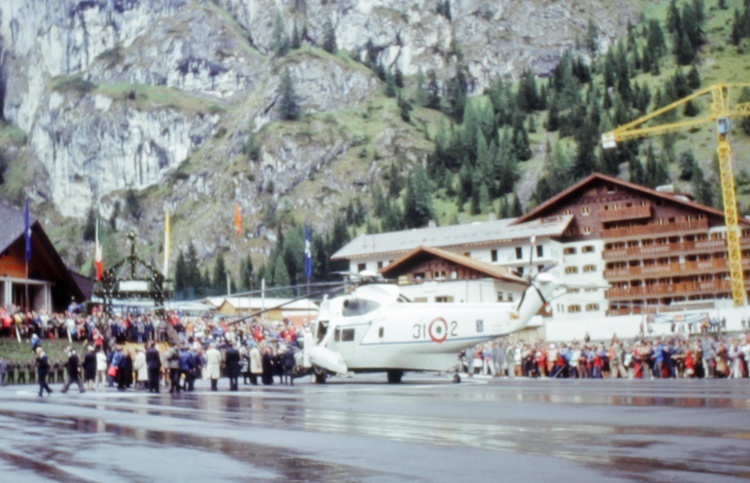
pixel 213 365
pixel 141 369
pixel 187 368
pixel 73 367
pixel 153 363
pixel 3 370
pixel 173 364
pixel 256 363
pixel 101 367
pixel 125 371
pixel 232 358
pixel 244 364
pixel 42 369
pixel 287 364
pixel 89 368
pixel 268 366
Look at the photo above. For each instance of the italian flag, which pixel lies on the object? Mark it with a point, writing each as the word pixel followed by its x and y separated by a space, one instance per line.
pixel 98 262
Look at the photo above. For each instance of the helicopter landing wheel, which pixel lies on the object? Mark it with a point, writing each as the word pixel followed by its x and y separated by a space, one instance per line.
pixel 394 376
pixel 456 378
pixel 319 376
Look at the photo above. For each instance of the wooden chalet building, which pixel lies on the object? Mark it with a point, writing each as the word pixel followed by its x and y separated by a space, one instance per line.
pixel 660 250
pixel 455 272
pixel 51 286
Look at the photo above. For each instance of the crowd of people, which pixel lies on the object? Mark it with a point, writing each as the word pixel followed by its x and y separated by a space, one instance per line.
pixel 143 351
pixel 146 352
pixel 706 355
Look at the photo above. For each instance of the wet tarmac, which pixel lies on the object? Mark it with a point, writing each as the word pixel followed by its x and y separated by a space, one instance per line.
pixel 362 429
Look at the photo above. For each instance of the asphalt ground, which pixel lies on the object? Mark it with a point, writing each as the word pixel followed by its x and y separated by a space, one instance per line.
pixel 363 429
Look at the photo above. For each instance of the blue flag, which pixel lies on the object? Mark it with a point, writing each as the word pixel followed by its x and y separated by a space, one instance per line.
pixel 308 254
pixel 27 232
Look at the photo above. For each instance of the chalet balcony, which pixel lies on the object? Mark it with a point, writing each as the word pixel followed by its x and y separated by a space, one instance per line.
pixel 648 231
pixel 628 213
pixel 662 290
pixel 653 309
pixel 665 249
pixel 673 269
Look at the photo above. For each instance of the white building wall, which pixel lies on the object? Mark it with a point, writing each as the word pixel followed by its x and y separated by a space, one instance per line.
pixel 582 267
pixel 466 291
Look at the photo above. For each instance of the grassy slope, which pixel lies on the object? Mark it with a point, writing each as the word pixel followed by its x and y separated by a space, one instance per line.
pixel 720 61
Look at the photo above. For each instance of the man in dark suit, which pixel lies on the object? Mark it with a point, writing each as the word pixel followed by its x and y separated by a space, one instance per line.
pixel 232 358
pixel 153 362
pixel 42 369
pixel 74 371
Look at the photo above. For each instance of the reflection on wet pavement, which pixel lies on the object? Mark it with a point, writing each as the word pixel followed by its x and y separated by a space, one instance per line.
pixel 674 430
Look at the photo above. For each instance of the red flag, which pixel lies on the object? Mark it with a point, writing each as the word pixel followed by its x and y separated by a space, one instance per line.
pixel 237 219
pixel 98 260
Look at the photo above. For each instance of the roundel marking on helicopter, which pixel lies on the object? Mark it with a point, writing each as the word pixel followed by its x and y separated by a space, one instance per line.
pixel 438 330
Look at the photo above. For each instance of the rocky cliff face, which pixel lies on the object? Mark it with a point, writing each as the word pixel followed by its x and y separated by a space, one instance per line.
pixel 132 94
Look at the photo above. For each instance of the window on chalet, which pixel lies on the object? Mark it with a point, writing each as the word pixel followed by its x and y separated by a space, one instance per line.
pixel 592 307
pixel 444 299
pixel 569 251
pixel 361 267
pixel 585 211
pixel 571 270
pixel 574 308
pixel 567 211
pixel 586 230
pixel 588 249
pixel 493 255
pixel 519 253
pixel 589 268
pixel 540 250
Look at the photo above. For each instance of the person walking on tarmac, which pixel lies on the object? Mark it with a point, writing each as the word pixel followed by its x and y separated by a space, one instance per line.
pixel 42 369
pixel 73 367
pixel 153 362
pixel 232 357
pixel 213 365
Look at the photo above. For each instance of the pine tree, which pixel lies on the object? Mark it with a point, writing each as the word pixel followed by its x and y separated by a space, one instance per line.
pixel 673 17
pixel 89 228
pixel 687 165
pixel 247 273
pixel 516 209
pixel 520 140
pixel 702 189
pixel 280 44
pixel 296 42
pixel 433 90
pixel 592 38
pixel 288 104
pixel 329 37
pixel 418 200
pixel 404 108
pixel 194 278
pixel 456 95
pixel 220 274
pixel 180 273
pixel 694 78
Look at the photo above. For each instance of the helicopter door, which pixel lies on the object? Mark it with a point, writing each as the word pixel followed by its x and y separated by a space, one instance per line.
pixel 322 330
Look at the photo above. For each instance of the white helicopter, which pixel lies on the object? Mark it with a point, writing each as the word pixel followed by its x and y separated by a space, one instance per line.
pixel 375 329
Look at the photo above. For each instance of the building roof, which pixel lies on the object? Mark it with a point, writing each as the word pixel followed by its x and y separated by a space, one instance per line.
pixel 493 271
pixel 594 178
pixel 477 233
pixel 13 222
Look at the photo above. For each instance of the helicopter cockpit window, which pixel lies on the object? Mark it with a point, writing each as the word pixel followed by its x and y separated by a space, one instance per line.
pixel 354 307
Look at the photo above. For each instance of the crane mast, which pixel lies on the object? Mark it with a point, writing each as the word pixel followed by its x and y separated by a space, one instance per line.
pixel 721 113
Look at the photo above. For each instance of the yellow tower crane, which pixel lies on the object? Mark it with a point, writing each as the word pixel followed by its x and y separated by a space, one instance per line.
pixel 722 110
